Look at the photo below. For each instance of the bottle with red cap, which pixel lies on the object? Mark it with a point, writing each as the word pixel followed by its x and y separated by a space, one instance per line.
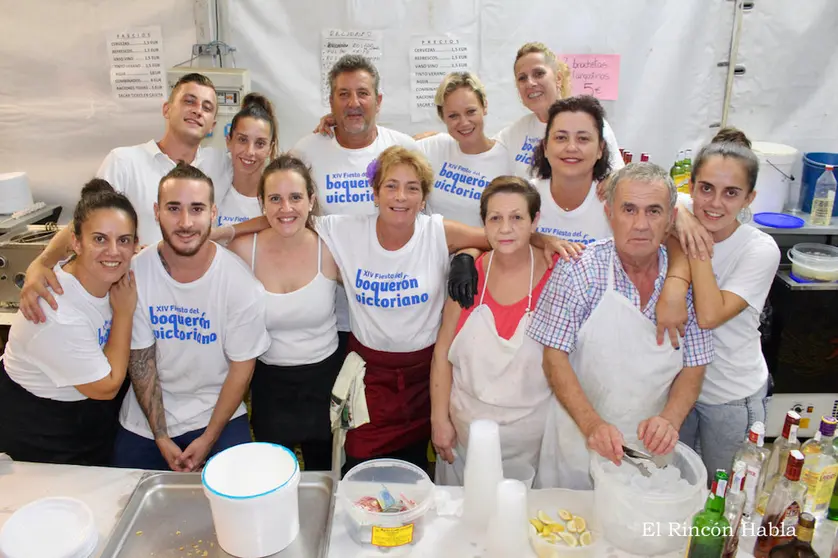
pixel 784 508
pixel 644 157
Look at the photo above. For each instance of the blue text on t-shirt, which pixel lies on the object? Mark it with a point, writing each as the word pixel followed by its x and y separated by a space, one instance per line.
pixel 388 290
pixel 348 187
pixel 525 154
pixel 451 174
pixel 569 235
pixel 181 324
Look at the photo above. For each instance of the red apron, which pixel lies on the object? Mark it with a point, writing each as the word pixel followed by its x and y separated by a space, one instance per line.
pixel 398 399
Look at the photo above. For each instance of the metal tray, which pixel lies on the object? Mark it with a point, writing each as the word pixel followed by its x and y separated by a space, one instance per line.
pixel 168 516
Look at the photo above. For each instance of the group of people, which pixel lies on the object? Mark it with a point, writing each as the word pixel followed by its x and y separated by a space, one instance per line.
pixel 528 278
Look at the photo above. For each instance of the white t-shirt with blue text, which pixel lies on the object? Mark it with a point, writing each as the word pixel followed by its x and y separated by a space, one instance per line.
pixel 342 186
pixel 49 359
pixel 197 327
pixel 395 297
pixel 459 178
pixel 237 208
pixel 585 224
pixel 522 136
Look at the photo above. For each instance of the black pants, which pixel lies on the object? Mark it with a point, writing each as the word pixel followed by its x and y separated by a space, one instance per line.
pixel 416 453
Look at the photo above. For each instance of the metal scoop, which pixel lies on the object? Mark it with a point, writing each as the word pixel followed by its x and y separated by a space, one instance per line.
pixel 640 466
pixel 660 461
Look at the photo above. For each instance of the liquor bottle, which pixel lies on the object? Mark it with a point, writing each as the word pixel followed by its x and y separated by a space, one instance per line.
pixel 832 511
pixel 686 172
pixel 709 527
pixel 754 457
pixel 801 545
pixel 776 465
pixel 783 508
pixel 734 506
pixel 821 468
pixel 824 198
pixel 628 157
pixel 644 157
pixel 675 170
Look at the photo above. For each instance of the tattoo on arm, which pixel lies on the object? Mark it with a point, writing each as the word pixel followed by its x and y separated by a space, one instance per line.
pixel 142 368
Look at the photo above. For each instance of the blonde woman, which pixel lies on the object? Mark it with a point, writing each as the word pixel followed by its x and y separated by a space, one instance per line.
pixel 542 79
pixel 464 160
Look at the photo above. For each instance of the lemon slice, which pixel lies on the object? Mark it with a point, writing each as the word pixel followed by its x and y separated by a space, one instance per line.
pixel 580 523
pixel 565 515
pixel 569 539
pixel 555 527
pixel 539 526
pixel 586 539
pixel 571 527
pixel 544 518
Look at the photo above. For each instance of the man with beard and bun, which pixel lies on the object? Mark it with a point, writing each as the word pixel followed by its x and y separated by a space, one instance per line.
pixel 198 328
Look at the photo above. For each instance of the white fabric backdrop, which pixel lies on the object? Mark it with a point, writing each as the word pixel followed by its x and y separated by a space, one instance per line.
pixel 58 118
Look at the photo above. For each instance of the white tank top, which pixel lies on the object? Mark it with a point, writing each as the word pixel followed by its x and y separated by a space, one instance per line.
pixel 302 323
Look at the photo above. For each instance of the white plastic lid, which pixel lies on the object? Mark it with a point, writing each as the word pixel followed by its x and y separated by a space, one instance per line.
pixel 250 470
pixel 50 528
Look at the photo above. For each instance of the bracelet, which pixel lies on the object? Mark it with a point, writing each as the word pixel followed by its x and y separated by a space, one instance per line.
pixel 678 277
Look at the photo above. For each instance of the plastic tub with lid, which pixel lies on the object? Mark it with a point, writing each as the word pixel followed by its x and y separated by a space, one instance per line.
pixel 392 533
pixel 648 523
pixel 814 262
pixel 776 162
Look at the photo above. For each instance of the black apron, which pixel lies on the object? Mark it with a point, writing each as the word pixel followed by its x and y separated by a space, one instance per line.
pixel 290 404
pixel 43 430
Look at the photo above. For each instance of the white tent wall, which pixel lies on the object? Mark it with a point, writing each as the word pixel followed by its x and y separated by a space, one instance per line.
pixel 58 117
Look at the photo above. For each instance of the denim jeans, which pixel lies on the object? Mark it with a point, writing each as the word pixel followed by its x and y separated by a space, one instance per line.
pixel 716 432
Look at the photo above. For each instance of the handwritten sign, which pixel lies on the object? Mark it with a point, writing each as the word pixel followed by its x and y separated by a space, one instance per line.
pixel 336 42
pixel 597 75
pixel 137 63
pixel 431 59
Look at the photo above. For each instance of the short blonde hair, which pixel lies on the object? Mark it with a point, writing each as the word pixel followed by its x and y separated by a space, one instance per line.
pixel 398 155
pixel 559 66
pixel 457 80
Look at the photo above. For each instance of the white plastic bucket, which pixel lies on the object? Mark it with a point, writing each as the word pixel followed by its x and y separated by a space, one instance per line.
pixel 252 490
pixel 648 523
pixel 775 167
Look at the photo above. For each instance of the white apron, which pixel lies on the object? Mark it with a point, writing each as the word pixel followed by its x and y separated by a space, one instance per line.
pixel 498 379
pixel 626 377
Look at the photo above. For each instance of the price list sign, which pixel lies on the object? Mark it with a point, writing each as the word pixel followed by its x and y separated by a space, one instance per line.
pixel 337 42
pixel 431 59
pixel 136 57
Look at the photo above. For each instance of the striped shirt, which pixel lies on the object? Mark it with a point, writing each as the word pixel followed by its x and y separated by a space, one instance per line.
pixel 575 288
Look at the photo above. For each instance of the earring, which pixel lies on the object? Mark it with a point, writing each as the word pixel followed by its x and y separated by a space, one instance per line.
pixel 745 215
pixel 375 204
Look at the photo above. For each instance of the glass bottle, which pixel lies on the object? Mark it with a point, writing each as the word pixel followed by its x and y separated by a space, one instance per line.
pixel 821 468
pixel 753 456
pixel 710 527
pixel 801 545
pixel 734 506
pixel 783 509
pixel 776 465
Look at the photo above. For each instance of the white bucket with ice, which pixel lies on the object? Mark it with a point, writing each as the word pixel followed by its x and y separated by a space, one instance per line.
pixel 252 490
pixel 649 516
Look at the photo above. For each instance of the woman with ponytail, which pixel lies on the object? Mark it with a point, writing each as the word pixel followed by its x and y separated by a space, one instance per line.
pixel 252 141
pixel 60 381
pixel 729 290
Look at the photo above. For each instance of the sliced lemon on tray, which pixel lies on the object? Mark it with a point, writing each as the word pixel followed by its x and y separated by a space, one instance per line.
pixel 539 526
pixel 565 515
pixel 569 539
pixel 586 539
pixel 544 518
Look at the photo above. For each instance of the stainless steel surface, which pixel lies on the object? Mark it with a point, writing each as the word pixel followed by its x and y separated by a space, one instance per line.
pixel 783 275
pixel 16 253
pixel 806 229
pixel 639 466
pixel 168 516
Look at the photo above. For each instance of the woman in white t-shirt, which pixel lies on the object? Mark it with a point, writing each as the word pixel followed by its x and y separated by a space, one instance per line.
pixel 542 79
pixel 61 380
pixel 729 291
pixel 464 160
pixel 394 266
pixel 292 381
pixel 568 164
pixel 251 141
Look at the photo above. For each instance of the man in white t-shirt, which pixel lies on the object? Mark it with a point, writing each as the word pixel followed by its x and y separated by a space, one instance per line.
pixel 339 162
pixel 136 171
pixel 198 328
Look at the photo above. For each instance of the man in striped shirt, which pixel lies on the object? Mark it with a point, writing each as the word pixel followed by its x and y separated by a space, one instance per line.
pixel 596 319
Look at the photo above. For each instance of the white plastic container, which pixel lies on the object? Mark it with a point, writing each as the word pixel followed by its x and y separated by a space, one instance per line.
pixel 814 262
pixel 390 534
pixel 253 494
pixel 643 523
pixel 50 527
pixel 551 500
pixel 776 162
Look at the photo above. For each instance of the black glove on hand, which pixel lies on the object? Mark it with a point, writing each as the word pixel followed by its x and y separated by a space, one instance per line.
pixel 462 280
